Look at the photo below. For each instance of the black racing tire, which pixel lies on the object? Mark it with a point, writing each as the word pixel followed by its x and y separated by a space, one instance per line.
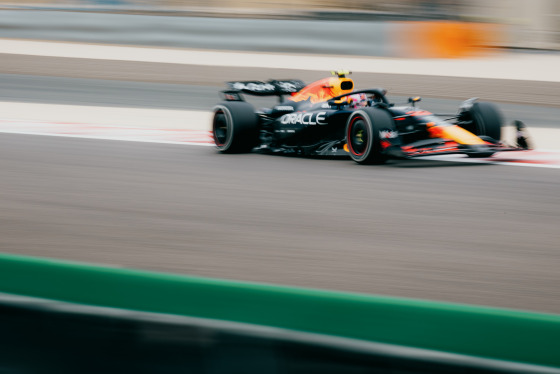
pixel 235 127
pixel 487 120
pixel 362 135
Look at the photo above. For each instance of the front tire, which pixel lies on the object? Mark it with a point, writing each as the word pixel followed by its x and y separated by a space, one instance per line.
pixel 362 135
pixel 235 127
pixel 486 120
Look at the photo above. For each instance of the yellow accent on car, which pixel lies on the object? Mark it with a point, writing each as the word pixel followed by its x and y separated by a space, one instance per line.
pixel 324 89
pixel 455 133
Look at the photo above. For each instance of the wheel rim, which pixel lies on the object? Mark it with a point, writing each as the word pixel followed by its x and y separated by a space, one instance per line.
pixel 358 136
pixel 220 128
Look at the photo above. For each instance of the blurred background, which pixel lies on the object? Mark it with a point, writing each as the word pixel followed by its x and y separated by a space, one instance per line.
pixel 528 24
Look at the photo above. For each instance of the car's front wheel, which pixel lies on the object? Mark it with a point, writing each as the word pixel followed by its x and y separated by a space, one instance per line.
pixel 362 135
pixel 486 120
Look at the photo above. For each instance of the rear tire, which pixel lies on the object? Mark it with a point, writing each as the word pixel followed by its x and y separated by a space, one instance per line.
pixel 487 120
pixel 362 135
pixel 235 127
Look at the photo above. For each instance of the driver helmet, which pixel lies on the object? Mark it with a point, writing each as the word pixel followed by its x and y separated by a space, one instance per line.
pixel 357 100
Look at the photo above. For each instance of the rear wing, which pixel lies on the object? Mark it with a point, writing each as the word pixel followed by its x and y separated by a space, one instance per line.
pixel 260 88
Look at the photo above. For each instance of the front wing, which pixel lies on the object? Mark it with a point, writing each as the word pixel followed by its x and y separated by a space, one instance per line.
pixel 445 146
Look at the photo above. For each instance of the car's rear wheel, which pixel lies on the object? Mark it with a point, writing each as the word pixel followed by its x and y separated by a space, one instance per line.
pixel 362 135
pixel 235 127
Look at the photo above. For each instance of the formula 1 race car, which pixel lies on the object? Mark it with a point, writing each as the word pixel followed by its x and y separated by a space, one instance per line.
pixel 328 117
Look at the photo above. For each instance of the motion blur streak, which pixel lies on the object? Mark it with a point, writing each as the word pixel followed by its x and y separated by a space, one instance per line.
pixel 446 39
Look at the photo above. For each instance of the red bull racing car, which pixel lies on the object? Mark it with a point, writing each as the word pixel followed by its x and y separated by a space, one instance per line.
pixel 329 117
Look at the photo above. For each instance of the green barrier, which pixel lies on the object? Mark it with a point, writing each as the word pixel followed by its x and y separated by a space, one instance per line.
pixel 476 331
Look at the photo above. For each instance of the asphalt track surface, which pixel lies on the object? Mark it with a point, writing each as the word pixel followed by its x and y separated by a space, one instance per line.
pixel 469 233
pixel 482 234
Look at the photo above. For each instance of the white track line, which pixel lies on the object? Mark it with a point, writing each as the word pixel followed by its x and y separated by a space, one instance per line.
pixel 109 116
pixel 515 66
pixel 107 137
pixel 541 159
pixel 163 119
pixel 107 132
